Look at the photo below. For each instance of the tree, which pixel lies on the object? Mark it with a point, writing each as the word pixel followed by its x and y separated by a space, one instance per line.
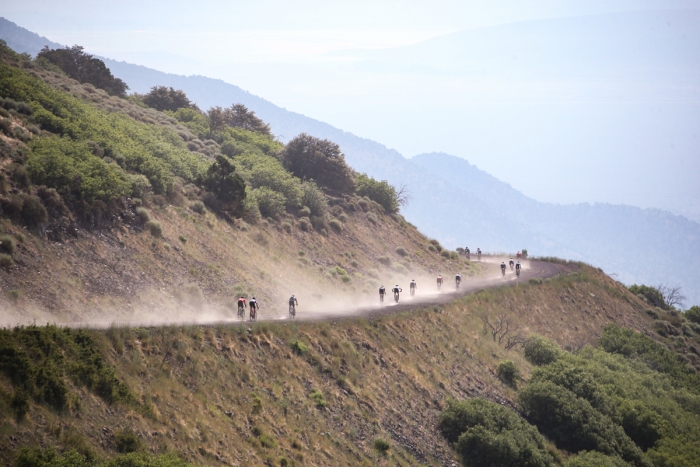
pixel 84 68
pixel 226 185
pixel 693 314
pixel 216 117
pixel 672 295
pixel 164 98
pixel 321 160
pixel 238 116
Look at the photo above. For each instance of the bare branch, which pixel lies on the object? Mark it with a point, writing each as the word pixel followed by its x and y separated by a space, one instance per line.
pixel 403 196
pixel 512 341
pixel 672 295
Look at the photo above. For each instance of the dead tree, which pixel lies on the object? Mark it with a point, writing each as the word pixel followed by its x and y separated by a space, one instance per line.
pixel 512 341
pixel 498 329
pixel 672 295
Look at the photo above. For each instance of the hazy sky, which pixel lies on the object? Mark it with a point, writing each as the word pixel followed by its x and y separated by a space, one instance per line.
pixel 561 140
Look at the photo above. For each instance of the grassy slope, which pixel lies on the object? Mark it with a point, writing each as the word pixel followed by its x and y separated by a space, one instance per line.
pixel 120 272
pixel 386 377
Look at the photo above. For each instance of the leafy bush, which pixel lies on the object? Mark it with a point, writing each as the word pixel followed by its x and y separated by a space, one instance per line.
pixel 305 224
pixel 299 348
pixel 651 294
pixel 574 424
pixel 261 170
pixel 336 225
pixel 540 351
pixel 140 186
pixel 401 251
pixel 143 214
pixel 596 459
pixel 381 445
pixel 487 433
pixel 270 203
pixel 313 198
pixel 308 157
pixel 317 397
pixel 385 260
pixel 508 372
pixel 7 244
pixel 127 441
pixel 6 261
pixel 155 228
pixel 445 254
pixel 380 192
pixel 693 314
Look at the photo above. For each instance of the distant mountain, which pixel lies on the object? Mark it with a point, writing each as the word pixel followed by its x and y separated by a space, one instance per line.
pixel 455 202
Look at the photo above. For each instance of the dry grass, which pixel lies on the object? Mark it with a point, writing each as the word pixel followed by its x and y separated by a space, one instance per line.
pixel 250 395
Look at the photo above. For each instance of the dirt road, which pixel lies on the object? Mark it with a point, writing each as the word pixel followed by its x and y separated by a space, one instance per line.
pixel 427 295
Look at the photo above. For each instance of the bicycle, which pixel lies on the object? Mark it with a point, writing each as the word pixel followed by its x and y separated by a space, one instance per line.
pixel 253 313
pixel 241 311
pixel 396 297
pixel 292 311
pixel 517 272
pixel 478 255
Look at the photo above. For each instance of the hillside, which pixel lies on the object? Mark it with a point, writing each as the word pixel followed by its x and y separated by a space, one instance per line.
pixel 113 210
pixel 320 393
pixel 467 215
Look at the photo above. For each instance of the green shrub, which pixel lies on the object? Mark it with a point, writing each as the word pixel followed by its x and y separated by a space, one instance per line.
pixel 487 433
pixel 299 348
pixel 596 459
pixel 540 351
pixel 140 186
pixel 573 424
pixel 126 441
pixel 183 239
pixel 401 251
pixel 155 228
pixel 432 248
pixel 18 174
pixel 385 260
pixel 287 227
pixel 198 207
pixel 336 225
pixel 445 254
pixel 380 192
pixel 305 224
pixel 304 212
pixel 508 372
pixel 143 214
pixel 651 294
pixel 20 404
pixel 6 261
pixel 372 218
pixel 313 198
pixel 693 314
pixel 7 244
pixel 381 445
pixel 270 203
pixel 317 397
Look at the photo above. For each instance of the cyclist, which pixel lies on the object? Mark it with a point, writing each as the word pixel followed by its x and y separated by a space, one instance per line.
pixel 458 280
pixel 466 252
pixel 241 305
pixel 478 253
pixel 382 292
pixel 503 268
pixel 519 255
pixel 517 269
pixel 293 303
pixel 511 263
pixel 253 305
pixel 413 287
pixel 396 291
pixel 439 281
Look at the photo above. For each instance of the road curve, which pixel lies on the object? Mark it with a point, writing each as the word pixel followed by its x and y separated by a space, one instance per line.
pixel 531 270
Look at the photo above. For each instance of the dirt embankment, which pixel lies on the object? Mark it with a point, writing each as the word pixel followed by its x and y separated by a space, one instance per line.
pixel 320 392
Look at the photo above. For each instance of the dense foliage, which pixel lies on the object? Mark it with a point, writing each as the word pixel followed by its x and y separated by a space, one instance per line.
pixel 381 192
pixel 631 402
pixel 165 98
pixel 39 360
pixel 84 68
pixel 309 158
pixel 488 434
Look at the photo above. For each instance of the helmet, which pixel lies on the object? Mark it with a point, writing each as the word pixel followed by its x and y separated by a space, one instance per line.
pixel 293 296
pixel 253 298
